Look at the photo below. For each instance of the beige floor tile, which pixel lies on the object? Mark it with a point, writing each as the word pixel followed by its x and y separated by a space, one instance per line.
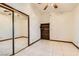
pixel 50 48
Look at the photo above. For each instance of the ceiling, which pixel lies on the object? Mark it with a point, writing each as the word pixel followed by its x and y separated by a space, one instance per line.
pixel 62 7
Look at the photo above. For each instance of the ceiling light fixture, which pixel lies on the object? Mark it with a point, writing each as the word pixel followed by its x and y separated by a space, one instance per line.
pixel 55 6
pixel 51 4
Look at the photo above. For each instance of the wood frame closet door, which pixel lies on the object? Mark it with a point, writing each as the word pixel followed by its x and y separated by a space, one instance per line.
pixel 45 31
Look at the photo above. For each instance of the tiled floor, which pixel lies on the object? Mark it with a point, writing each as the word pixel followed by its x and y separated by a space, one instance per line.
pixel 6 46
pixel 50 48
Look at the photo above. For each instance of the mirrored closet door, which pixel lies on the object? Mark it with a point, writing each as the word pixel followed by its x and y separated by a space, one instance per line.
pixel 20 31
pixel 5 32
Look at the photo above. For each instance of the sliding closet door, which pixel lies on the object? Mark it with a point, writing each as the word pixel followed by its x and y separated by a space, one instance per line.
pixel 5 32
pixel 21 31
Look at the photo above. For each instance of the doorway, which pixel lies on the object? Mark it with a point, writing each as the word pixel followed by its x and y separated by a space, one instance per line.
pixel 45 31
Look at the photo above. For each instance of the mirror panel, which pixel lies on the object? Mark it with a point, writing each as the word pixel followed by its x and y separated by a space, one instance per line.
pixel 5 32
pixel 21 31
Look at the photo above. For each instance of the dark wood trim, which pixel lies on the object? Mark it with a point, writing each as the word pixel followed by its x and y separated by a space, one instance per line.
pixel 45 23
pixel 28 30
pixel 66 42
pixel 61 41
pixel 75 45
pixel 13 37
pixel 5 7
pixel 35 42
pixel 5 39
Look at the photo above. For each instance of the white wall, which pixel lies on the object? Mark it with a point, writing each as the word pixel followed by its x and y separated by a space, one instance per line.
pixel 61 26
pixel 34 24
pixel 45 18
pixel 76 26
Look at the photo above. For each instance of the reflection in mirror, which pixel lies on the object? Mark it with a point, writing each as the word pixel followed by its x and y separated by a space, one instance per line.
pixel 5 32
pixel 21 31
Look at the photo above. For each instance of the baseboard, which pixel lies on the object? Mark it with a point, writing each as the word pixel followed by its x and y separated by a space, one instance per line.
pixel 75 45
pixel 66 42
pixel 61 41
pixel 35 42
pixel 14 38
